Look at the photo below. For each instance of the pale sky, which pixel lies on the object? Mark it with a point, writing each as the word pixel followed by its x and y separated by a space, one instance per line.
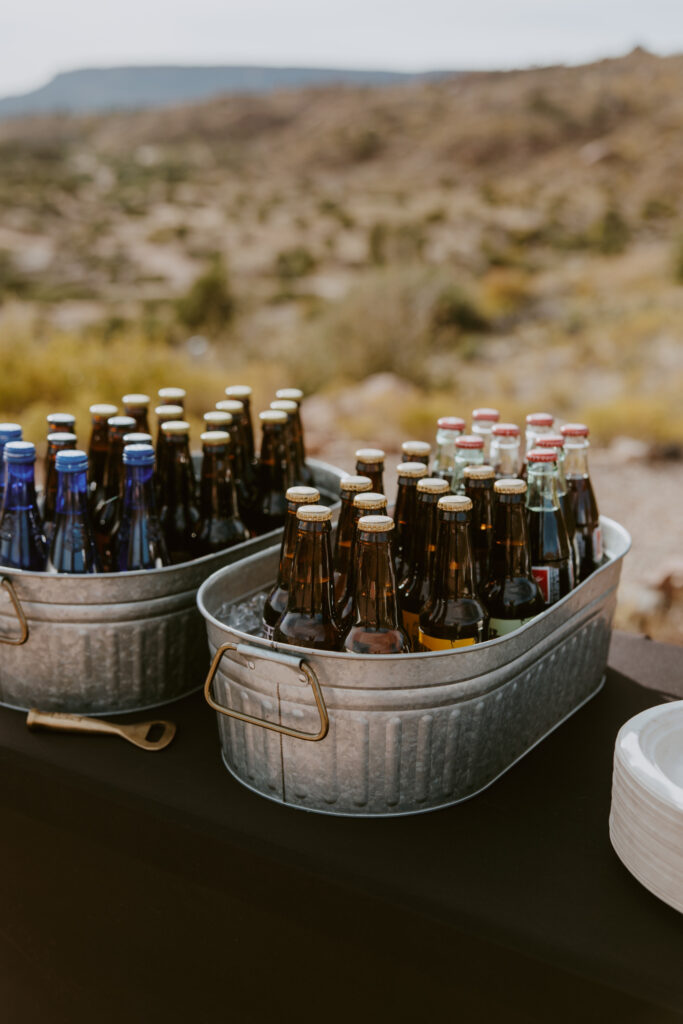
pixel 41 37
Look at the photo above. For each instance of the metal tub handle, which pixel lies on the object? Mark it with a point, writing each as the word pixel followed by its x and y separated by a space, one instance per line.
pixel 15 641
pixel 296 663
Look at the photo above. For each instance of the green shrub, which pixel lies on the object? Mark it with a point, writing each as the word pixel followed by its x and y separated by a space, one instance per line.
pixel 293 263
pixel 209 304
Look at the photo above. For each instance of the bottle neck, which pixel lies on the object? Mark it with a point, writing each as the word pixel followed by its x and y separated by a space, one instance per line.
pixel 542 493
pixel 177 487
pixel 217 489
pixel 576 458
pixel 72 494
pixel 453 563
pixel 275 463
pixel 310 592
pixel 406 497
pixel 510 556
pixel 138 491
pixel 288 546
pixel 20 489
pixel 114 462
pixel 426 528
pixel 505 456
pixel 376 605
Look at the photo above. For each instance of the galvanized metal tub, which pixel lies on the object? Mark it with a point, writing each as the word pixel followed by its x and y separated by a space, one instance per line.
pixel 366 736
pixel 115 642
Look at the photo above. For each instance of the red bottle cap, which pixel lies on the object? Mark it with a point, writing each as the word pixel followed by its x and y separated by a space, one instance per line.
pixel 550 441
pixel 506 430
pixel 451 423
pixel 574 430
pixel 486 414
pixel 541 455
pixel 540 419
pixel 469 441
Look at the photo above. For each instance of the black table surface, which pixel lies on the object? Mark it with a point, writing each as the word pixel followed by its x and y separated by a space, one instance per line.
pixel 140 887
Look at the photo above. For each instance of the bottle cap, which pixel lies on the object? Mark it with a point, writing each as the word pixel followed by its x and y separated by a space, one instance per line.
pixel 169 412
pixel 103 409
pixel 479 472
pixel 285 406
pixel 422 448
pixel 273 416
pixel 433 485
pixel 62 438
pixel 19 451
pixel 61 419
pixel 137 437
pixel 505 430
pixel 468 441
pixel 412 469
pixel 313 513
pixel 542 455
pixel 214 437
pixel 175 427
pixel 71 461
pixel 10 432
pixel 301 495
pixel 510 485
pixel 121 422
pixel 486 415
pixel 136 401
pixel 172 395
pixel 375 524
pixel 455 503
pixel 574 430
pixel 231 405
pixel 540 419
pixel 370 500
pixel 291 394
pixel 138 455
pixel 238 391
pixel 355 484
pixel 549 441
pixel 370 455
pixel 216 417
pixel 451 423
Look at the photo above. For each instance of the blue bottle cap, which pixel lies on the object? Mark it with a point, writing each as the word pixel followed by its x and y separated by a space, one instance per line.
pixel 138 455
pixel 10 432
pixel 121 421
pixel 73 460
pixel 19 451
pixel 137 438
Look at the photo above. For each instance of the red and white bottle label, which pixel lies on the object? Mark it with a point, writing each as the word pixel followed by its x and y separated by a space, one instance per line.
pixel 548 579
pixel 597 544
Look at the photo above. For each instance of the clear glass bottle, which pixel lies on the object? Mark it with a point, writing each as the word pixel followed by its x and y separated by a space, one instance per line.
pixel 219 526
pixel 581 499
pixel 416 451
pixel 100 414
pixel 8 432
pixel 505 455
pixel 555 442
pixel 537 424
pixel 483 422
pixel 72 547
pixel 349 487
pixel 364 503
pixel 275 472
pixel 297 395
pixel 469 451
pixel 57 442
pixel 376 627
pixel 551 554
pixel 370 462
pixel 416 587
pixel 137 406
pixel 449 429
pixel 479 489
pixel 405 515
pixel 276 602
pixel 242 393
pixel 139 541
pixel 22 541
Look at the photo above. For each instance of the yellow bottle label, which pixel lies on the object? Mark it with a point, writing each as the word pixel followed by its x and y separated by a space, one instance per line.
pixel 411 624
pixel 434 643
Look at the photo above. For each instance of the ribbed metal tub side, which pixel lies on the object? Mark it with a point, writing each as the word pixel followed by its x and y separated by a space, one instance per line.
pixel 407 733
pixel 115 642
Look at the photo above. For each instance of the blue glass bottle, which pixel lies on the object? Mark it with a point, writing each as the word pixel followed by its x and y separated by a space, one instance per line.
pixel 8 432
pixel 22 541
pixel 138 540
pixel 72 548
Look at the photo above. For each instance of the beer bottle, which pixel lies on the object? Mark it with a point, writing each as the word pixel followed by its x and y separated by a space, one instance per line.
pixel 244 470
pixel 72 548
pixel 505 457
pixel 275 474
pixel 551 554
pixel 296 395
pixel 164 414
pixel 178 512
pixel 276 602
pixel 137 406
pixel 405 514
pixel 416 451
pixel 376 627
pixel 349 487
pixel 291 409
pixel 97 451
pixel 242 393
pixel 511 595
pixel 60 441
pixel 469 451
pixel 106 515
pixel 453 614
pixel 416 587
pixel 22 541
pixel 309 619
pixel 364 503
pixel 8 432
pixel 449 429
pixel 370 462
pixel 555 442
pixel 220 526
pixel 57 421
pixel 172 396
pixel 137 438
pixel 479 489
pixel 483 422
pixel 584 508
pixel 138 541
pixel 537 424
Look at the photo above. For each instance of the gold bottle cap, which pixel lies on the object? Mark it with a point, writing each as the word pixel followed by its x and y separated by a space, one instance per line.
pixel 313 513
pixel 212 437
pixel 375 524
pixel 215 416
pixel 171 394
pixel 355 484
pixel 370 500
pixel 370 455
pixel 303 495
pixel 103 409
pixel 175 427
pixel 479 472
pixel 510 485
pixel 169 412
pixel 136 401
pixel 417 448
pixel 455 503
pixel 238 391
pixel 433 485
pixel 291 394
pixel 412 469
pixel 285 406
pixel 272 416
pixel 230 405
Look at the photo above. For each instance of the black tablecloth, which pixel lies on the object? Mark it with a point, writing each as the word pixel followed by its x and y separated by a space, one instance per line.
pixel 145 887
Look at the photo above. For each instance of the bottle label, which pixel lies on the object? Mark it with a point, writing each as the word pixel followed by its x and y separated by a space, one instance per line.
pixel 411 624
pixel 268 631
pixel 548 579
pixel 435 643
pixel 501 627
pixel 597 545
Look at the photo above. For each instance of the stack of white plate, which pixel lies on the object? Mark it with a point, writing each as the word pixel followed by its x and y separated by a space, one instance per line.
pixel 646 820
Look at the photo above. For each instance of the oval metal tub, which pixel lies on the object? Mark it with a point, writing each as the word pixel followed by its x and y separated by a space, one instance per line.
pixel 398 734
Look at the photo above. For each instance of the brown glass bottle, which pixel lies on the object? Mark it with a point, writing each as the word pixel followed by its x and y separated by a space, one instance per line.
pixel 242 393
pixel 511 595
pixel 349 487
pixel 276 602
pixel 244 469
pixel 479 489
pixel 405 513
pixel 296 395
pixel 289 407
pixel 376 627
pixel 453 614
pixel 97 452
pixel 178 512
pixel 309 619
pixel 108 512
pixel 275 473
pixel 60 441
pixel 416 451
pixel 364 503
pixel 581 500
pixel 415 588
pixel 219 525
pixel 551 554
pixel 164 414
pixel 137 406
pixel 61 421
pixel 370 462
pixel 172 396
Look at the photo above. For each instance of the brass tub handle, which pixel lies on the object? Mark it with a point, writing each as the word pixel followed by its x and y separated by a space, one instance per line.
pixel 15 641
pixel 297 734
